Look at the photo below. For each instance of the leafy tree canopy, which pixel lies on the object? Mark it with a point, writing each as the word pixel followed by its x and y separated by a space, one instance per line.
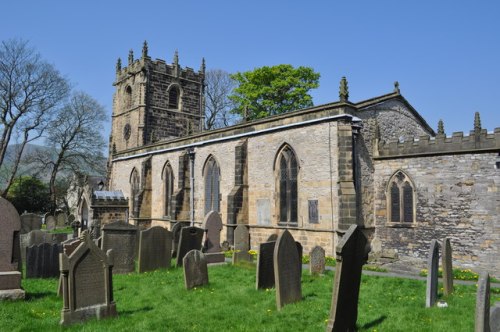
pixel 273 90
pixel 28 193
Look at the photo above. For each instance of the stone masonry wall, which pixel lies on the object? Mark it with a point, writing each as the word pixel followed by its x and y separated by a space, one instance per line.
pixel 458 196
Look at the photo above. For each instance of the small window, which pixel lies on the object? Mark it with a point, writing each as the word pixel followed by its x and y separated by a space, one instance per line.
pixel 401 199
pixel 128 97
pixel 173 97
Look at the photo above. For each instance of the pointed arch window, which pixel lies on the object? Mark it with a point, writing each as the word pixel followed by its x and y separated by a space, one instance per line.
pixel 173 97
pixel 128 97
pixel 134 192
pixel 211 175
pixel 401 199
pixel 168 187
pixel 287 171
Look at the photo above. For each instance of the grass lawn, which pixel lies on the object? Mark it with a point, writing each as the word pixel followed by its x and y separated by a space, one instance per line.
pixel 157 301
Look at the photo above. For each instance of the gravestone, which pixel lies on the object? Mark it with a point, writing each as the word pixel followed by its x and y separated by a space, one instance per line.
pixel 195 269
pixel 42 260
pixel 287 274
pixel 50 222
pixel 482 317
pixel 300 252
pixel 212 249
pixel 190 239
pixel 68 247
pixel 317 261
pixel 351 255
pixel 432 275
pixel 10 256
pixel 71 218
pixel 176 234
pixel 121 237
pixel 265 266
pixel 272 238
pixel 155 249
pixel 495 317
pixel 87 283
pixel 61 219
pixel 30 222
pixel 447 267
pixel 34 237
pixel 241 244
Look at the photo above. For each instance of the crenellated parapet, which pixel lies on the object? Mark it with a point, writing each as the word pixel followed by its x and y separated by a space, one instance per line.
pixel 478 141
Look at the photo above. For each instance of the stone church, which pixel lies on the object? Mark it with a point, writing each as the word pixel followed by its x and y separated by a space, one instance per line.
pixel 315 171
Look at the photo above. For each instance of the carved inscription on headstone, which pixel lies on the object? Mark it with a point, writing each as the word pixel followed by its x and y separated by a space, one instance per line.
pixel 265 266
pixel 155 249
pixel 195 269
pixel 446 259
pixel 121 237
pixel 191 238
pixel 42 261
pixel 287 273
pixel 317 260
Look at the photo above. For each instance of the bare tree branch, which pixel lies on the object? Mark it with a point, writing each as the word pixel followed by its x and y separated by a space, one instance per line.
pixel 219 86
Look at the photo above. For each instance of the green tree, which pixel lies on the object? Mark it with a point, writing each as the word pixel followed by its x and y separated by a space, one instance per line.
pixel 28 193
pixel 273 90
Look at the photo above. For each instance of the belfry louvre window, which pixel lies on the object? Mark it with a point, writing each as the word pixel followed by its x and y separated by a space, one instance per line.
pixel 134 192
pixel 401 198
pixel 287 186
pixel 168 181
pixel 212 176
pixel 128 97
pixel 173 97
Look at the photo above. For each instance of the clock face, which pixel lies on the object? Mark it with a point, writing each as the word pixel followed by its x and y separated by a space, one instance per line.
pixel 126 131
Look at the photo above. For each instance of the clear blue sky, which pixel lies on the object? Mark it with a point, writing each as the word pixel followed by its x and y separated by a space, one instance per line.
pixel 445 54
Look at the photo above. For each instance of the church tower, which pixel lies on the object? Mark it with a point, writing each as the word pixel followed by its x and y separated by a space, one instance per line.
pixel 155 101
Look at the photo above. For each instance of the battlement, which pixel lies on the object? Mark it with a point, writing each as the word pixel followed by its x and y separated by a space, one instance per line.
pixel 457 143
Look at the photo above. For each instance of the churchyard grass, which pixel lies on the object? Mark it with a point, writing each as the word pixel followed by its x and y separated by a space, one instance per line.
pixel 158 301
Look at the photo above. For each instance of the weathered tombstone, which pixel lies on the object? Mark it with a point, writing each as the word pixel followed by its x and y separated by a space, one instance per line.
pixel 225 246
pixel 42 260
pixel 68 247
pixel 272 238
pixel 50 222
pixel 482 318
pixel 317 261
pixel 432 275
pixel 30 222
pixel 495 317
pixel 447 267
pixel 10 256
pixel 155 249
pixel 287 274
pixel 71 218
pixel 121 237
pixel 195 269
pixel 176 234
pixel 61 219
pixel 351 255
pixel 265 266
pixel 241 244
pixel 190 239
pixel 212 249
pixel 32 238
pixel 87 283
pixel 300 252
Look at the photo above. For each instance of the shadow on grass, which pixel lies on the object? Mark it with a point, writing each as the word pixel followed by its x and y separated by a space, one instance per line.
pixel 374 322
pixel 131 312
pixel 36 296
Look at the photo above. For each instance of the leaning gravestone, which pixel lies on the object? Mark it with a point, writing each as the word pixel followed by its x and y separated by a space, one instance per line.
pixel 482 318
pixel 176 234
pixel 287 274
pixel 212 249
pixel 121 237
pixel 50 222
pixel 10 256
pixel 30 222
pixel 87 283
pixel 317 261
pixel 195 269
pixel 432 275
pixel 190 239
pixel 351 255
pixel 42 261
pixel 447 267
pixel 265 267
pixel 33 238
pixel 241 244
pixel 155 249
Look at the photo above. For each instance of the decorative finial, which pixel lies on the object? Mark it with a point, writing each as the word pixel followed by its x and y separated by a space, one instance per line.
pixel 396 87
pixel 344 90
pixel 477 122
pixel 176 58
pixel 118 65
pixel 440 127
pixel 145 49
pixel 202 68
pixel 130 57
